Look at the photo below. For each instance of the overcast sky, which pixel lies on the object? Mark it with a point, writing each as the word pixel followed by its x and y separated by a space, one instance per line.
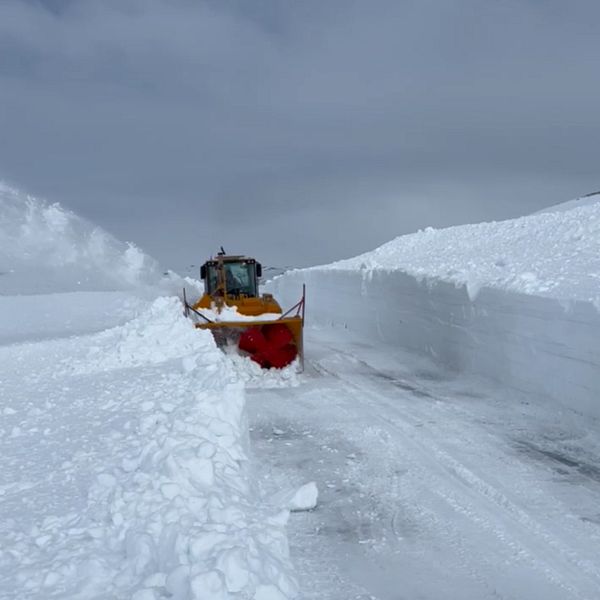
pixel 299 131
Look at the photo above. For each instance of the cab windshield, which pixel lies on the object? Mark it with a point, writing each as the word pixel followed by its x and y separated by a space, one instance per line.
pixel 240 279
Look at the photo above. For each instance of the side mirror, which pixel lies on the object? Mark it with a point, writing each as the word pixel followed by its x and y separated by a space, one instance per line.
pixel 203 272
pixel 258 270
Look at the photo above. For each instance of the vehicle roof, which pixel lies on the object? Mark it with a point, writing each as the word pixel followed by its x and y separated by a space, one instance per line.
pixel 230 258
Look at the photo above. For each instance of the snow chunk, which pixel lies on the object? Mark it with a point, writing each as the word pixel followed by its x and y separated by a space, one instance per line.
pixel 256 377
pixel 305 497
pixel 296 500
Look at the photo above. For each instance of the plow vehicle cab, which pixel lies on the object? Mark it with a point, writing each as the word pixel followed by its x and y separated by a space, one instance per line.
pixel 237 314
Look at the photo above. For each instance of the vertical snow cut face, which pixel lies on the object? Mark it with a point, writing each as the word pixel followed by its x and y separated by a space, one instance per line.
pixel 516 301
pixel 46 248
pixel 148 417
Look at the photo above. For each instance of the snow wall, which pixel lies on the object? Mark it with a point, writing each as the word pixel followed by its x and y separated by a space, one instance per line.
pixel 544 346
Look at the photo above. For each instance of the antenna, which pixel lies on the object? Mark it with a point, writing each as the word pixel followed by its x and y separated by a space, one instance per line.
pixel 222 252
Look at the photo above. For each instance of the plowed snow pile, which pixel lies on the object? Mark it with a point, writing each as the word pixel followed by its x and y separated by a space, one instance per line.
pixel 553 254
pixel 124 470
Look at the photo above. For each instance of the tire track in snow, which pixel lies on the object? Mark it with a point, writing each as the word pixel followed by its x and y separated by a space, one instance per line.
pixel 423 501
pixel 475 498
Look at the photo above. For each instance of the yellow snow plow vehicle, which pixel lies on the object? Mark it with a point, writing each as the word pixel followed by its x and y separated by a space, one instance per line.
pixel 233 309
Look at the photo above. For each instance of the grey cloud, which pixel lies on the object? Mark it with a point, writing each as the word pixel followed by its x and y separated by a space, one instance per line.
pixel 304 131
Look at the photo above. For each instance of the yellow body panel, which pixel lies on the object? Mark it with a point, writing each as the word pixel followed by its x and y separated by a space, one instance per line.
pixel 251 307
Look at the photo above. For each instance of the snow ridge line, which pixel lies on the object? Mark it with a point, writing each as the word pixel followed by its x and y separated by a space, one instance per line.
pixel 552 254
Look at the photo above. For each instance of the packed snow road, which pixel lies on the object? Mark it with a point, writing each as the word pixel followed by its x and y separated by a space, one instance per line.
pixel 431 486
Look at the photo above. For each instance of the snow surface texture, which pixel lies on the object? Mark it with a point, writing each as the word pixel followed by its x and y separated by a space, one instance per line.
pixel 124 466
pixel 296 500
pixel 432 485
pixel 254 376
pixel 46 248
pixel 515 301
pixel 555 255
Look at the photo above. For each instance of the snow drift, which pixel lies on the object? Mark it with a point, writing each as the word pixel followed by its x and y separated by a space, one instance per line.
pixel 516 301
pixel 123 439
pixel 555 255
pixel 46 248
pixel 141 478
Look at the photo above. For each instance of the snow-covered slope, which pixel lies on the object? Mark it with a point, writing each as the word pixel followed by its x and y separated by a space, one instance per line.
pixel 124 466
pixel 515 301
pixel 587 200
pixel 46 248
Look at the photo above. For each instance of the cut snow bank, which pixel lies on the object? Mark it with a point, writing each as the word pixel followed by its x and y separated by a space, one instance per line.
pixel 555 255
pixel 148 418
pixel 46 248
pixel 515 301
